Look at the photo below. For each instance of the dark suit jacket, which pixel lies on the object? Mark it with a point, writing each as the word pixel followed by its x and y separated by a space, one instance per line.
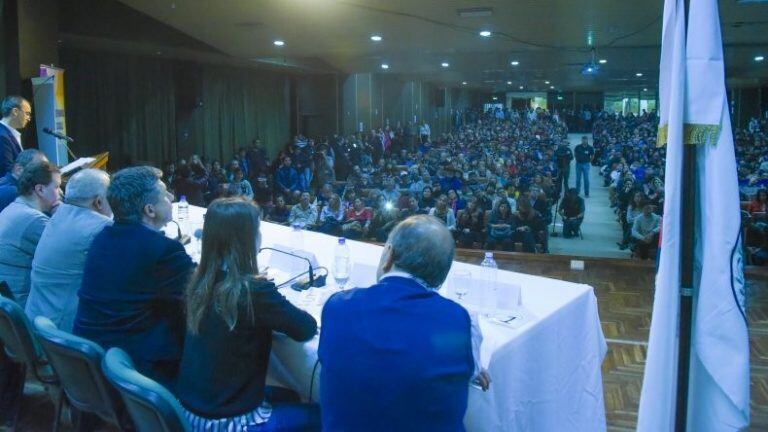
pixel 395 357
pixel 9 149
pixel 131 296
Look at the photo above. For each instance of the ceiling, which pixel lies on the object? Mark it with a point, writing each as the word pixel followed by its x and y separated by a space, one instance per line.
pixel 551 39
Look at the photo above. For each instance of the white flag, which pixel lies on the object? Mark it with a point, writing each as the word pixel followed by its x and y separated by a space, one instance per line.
pixel 657 400
pixel 719 376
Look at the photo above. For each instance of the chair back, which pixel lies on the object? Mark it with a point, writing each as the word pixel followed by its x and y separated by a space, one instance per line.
pixel 20 343
pixel 77 363
pixel 151 406
pixel 5 291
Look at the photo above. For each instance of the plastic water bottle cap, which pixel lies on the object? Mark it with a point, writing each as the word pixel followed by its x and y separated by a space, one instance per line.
pixel 296 227
pixel 183 198
pixel 489 254
pixel 342 240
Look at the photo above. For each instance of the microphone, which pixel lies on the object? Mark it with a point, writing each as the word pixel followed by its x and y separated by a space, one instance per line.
pixel 58 135
pixel 300 286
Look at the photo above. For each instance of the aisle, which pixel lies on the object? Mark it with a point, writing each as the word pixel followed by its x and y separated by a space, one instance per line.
pixel 600 229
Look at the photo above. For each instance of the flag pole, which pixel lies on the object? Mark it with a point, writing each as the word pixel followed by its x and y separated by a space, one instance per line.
pixel 688 228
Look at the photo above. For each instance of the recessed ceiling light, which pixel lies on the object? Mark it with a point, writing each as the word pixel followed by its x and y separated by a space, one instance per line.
pixel 546 82
pixel 278 43
pixel 645 89
pixel 552 87
pixel 521 87
pixel 759 58
pixel 514 63
pixel 639 74
pixel 376 38
pixel 463 83
pixel 602 61
pixel 444 64
pixel 384 66
pixel 495 98
pixel 509 82
pixel 485 33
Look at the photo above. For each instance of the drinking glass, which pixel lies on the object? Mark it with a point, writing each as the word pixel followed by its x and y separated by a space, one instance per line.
pixel 461 281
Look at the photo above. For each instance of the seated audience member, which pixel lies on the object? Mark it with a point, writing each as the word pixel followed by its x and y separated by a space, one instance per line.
pixel 280 212
pixel 645 231
pixel 501 226
pixel 572 212
pixel 303 213
pixel 57 269
pixel 427 200
pixel 444 213
pixel 22 223
pixel 634 210
pixel 381 375
pixel 191 182
pixel 231 314
pixel 134 278
pixel 758 207
pixel 528 225
pixel 262 192
pixel 357 220
pixel 240 186
pixel 332 216
pixel 9 185
pixel 469 224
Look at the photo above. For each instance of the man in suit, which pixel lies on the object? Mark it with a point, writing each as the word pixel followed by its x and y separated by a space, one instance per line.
pixel 397 355
pixel 134 278
pixel 57 268
pixel 9 185
pixel 16 113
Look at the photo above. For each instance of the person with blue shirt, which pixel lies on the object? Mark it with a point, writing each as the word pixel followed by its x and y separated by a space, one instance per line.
pixel 398 356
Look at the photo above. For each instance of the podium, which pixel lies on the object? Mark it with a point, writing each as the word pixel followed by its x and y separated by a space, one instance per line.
pixel 98 161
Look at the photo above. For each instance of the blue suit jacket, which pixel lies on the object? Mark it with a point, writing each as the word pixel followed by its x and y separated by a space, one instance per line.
pixel 9 149
pixel 131 296
pixel 395 357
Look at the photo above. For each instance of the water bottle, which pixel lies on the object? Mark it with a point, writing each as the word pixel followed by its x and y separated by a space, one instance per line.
pixel 342 266
pixel 489 273
pixel 183 213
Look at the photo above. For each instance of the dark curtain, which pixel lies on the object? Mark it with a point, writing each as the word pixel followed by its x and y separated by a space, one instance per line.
pixel 238 106
pixel 121 104
pixel 128 105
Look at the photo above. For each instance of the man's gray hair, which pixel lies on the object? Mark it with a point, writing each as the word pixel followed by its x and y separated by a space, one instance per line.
pixel 132 189
pixel 422 246
pixel 28 156
pixel 86 185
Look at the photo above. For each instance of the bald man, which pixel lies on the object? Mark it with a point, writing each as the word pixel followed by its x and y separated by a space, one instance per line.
pixel 397 355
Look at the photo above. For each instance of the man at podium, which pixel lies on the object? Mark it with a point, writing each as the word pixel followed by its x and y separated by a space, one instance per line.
pixel 16 113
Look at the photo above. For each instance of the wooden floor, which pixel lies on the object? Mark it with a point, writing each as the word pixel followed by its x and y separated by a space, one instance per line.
pixel 624 291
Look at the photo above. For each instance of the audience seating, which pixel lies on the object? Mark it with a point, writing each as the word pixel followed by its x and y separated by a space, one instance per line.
pixel 77 363
pixel 151 406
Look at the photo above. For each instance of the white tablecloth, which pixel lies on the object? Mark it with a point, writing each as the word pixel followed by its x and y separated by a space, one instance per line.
pixel 545 371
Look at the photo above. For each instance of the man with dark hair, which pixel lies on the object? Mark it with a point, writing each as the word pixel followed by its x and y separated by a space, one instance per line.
pixel 134 277
pixel 22 224
pixel 379 374
pixel 9 184
pixel 16 113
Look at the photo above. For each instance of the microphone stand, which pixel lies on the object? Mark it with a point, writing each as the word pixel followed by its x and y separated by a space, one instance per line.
pixel 299 286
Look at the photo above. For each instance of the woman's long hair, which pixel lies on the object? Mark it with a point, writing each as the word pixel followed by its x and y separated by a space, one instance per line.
pixel 231 239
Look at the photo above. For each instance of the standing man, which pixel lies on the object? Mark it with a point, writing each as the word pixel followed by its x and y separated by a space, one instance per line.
pixel 424 132
pixel 563 157
pixel 584 154
pixel 407 361
pixel 16 113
